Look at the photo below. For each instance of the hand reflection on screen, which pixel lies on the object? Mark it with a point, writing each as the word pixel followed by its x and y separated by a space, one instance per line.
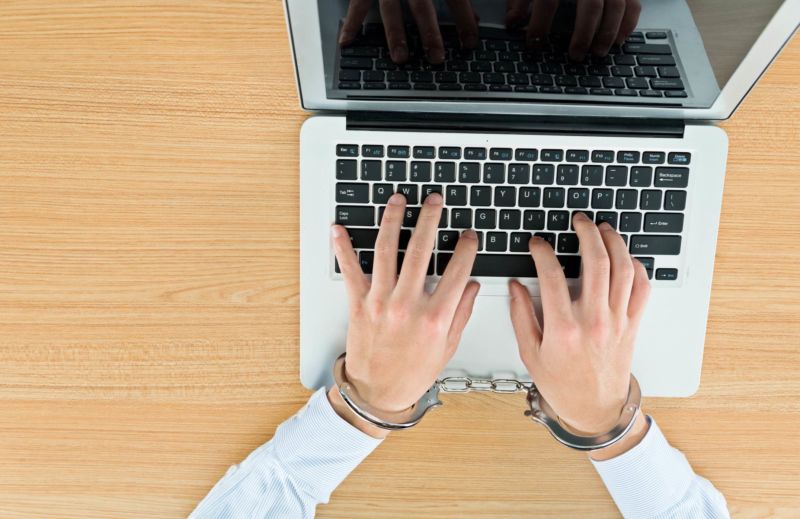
pixel 599 24
pixel 425 17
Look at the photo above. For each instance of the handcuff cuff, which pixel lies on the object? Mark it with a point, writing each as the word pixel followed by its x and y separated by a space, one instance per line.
pixel 538 409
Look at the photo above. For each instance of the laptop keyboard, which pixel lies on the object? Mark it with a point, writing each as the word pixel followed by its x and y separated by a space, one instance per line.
pixel 509 194
pixel 644 66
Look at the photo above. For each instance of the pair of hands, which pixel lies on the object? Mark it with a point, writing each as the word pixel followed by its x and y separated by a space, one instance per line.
pixel 599 24
pixel 400 337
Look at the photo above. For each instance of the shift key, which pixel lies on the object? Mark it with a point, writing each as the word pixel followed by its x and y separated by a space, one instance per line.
pixel 647 244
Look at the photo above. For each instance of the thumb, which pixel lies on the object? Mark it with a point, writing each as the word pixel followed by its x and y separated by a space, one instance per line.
pixel 526 324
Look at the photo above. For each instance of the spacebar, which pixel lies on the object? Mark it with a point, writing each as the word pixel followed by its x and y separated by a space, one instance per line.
pixel 519 266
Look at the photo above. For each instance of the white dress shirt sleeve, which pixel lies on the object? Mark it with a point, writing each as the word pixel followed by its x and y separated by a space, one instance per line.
pixel 654 480
pixel 310 454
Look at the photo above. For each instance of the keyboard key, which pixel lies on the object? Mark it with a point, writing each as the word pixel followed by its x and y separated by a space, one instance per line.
pixel 346 169
pixel 672 177
pixel 363 216
pixel 558 220
pixel 602 198
pixel 653 157
pixel 549 237
pixel 526 154
pixel 420 172
pixel 505 196
pixel 500 154
pixel 410 192
pixel 679 157
pixel 502 265
pixel 656 61
pixel 641 176
pixel 529 197
pixel 347 76
pixel 398 152
pixel 398 86
pixel 626 199
pixel 371 75
pixel 655 245
pixel 447 240
pixel 613 82
pixel 666 84
pixel 347 150
pixel 628 157
pixel 520 242
pixel 510 219
pixel 637 83
pixel 494 173
pixel 645 71
pixel 363 238
pixel 411 216
pixel 650 93
pixel 624 59
pixel 621 71
pixel 648 264
pixel 554 197
pixel 356 63
pixel 362 52
pixel 461 218
pixel 647 48
pixel 543 174
pixel 577 155
pixel 533 220
pixel 626 92
pixel 456 195
pixel 365 259
pixel 675 93
pixel 630 222
pixel 396 170
pixel 371 170
pixel 663 222
pixel 449 152
pixel 469 172
pixel 588 214
pixel 650 200
pixel 592 175
pixel 552 155
pixel 430 188
pixel 475 153
pixel 352 193
pixel 578 198
pixel 496 242
pixel 567 243
pixel 607 216
pixel 424 152
pixel 485 219
pixel 656 35
pixel 519 174
pixel 445 172
pixel 567 175
pixel 381 193
pixel 675 201
pixel 480 196
pixel 616 176
pixel 667 274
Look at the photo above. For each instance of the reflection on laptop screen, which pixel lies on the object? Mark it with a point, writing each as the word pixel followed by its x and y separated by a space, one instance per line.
pixel 668 53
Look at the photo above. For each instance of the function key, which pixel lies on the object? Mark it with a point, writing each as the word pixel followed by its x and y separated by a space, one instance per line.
pixel 449 152
pixel 500 153
pixel 399 152
pixel 475 153
pixel 526 154
pixel 553 155
pixel 424 152
pixel 347 150
pixel 682 158
pixel 656 35
pixel 667 274
pixel 372 150
pixel 628 157
pixel 653 157
pixel 604 156
pixel 577 155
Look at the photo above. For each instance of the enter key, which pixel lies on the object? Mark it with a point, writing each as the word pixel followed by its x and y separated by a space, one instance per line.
pixel 663 222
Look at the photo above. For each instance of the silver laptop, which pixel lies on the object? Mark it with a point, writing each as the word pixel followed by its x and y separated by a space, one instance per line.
pixel 517 137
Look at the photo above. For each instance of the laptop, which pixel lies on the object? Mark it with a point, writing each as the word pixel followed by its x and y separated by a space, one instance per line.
pixel 518 136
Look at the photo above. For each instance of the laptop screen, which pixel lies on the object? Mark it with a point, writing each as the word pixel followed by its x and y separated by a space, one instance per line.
pixel 663 53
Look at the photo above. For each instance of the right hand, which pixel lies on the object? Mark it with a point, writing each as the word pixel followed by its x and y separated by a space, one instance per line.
pixel 580 355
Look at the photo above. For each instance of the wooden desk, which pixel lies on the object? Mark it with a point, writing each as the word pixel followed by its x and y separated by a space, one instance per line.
pixel 149 295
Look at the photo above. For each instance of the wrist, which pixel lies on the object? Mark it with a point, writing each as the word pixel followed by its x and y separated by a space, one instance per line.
pixel 634 436
pixel 343 410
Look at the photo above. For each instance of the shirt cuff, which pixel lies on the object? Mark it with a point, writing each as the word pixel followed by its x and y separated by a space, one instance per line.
pixel 648 479
pixel 319 448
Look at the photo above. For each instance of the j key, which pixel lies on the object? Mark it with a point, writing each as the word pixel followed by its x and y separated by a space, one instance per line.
pixel 381 193
pixel 681 158
pixel 526 154
pixel 485 219
pixel 500 154
pixel 655 245
pixel 641 176
pixel 592 175
pixel 650 200
pixel 627 157
pixel 399 152
pixel 645 48
pixel 494 173
pixel 424 152
pixel 366 259
pixel 602 198
pixel 355 215
pixel 370 170
pixel 567 175
pixel 675 201
pixel 626 199
pixel 447 240
pixel 445 172
pixel 557 220
pixel 352 193
pixel 533 221
pixel 510 219
pixel 543 174
pixel 346 169
pixel 529 197
pixel 656 61
pixel 456 195
pixel 356 63
pixel 449 152
pixel 505 196
pixel 480 196
pixel 607 216
pixel 578 198
pixel 554 197
pixel 475 153
pixel 630 222
pixel 667 274
pixel 461 218
pixel 567 243
pixel 672 177
pixel 519 174
pixel 666 84
pixel 549 237
pixel 552 155
pixel 420 172
pixel 663 222
pixel 616 176
pixel 410 192
pixel 520 242
pixel 469 172
pixel 496 241
pixel 577 155
pixel 347 150
pixel 369 150
pixel 396 170
pixel 653 157
pixel 410 216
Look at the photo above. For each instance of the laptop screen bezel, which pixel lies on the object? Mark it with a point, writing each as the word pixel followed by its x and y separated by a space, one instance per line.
pixel 313 96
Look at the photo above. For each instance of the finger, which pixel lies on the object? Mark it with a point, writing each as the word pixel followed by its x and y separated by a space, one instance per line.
pixel 392 16
pixel 556 301
pixel 384 270
pixel 639 293
pixel 609 27
pixel 516 13
pixel 594 257
pixel 542 14
pixel 587 17
pixel 420 248
pixel 351 27
pixel 456 275
pixel 428 26
pixel 466 22
pixel 461 318
pixel 355 281
pixel 523 318
pixel 633 9
pixel 621 269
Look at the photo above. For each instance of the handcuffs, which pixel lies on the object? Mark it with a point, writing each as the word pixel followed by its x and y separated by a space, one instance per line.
pixel 538 410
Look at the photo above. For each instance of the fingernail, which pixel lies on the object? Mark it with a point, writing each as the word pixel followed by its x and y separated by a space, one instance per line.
pixel 336 231
pixel 434 199
pixel 469 234
pixel 580 216
pixel 399 54
pixel 605 226
pixel 536 239
pixel 396 199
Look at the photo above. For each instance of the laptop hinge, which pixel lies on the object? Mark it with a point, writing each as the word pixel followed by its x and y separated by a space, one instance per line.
pixel 483 123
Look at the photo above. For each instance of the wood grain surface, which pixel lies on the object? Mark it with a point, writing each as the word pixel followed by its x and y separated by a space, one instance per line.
pixel 149 287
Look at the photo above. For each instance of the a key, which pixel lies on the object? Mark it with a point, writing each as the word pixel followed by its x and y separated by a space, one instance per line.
pixel 578 198
pixel 663 222
pixel 602 198
pixel 554 197
pixel 667 274
pixel 591 175
pixel 681 158
pixel 552 155
pixel 346 169
pixel 469 172
pixel 558 221
pixel 672 177
pixel 650 200
pixel 526 155
pixel 366 259
pixel 577 155
pixel 543 174
pixel 500 154
pixel 533 220
pixel 356 63
pixel 424 152
pixel 567 174
pixel 656 61
pixel 363 216
pixel 675 201
pixel 371 150
pixel 669 72
pixel 630 222
pixel 447 240
pixel 347 150
pixel 510 219
pixel 653 157
pixel 607 216
pixel 494 173
pixel 666 84
pixel 420 172
pixel 410 216
pixel 449 152
pixel 381 193
pixel 427 189
pixel 567 243
pixel 519 242
pixel 456 195
pixel 496 242
pixel 616 176
pixel 399 152
pixel 628 157
pixel 410 192
pixel 475 153
pixel 485 218
pixel 626 199
pixel 505 196
pixel 647 48
pixel 641 176
pixel 396 170
pixel 480 196
pixel 519 174
pixel 461 218
pixel 655 245
pixel 549 237
pixel 371 170
pixel 529 196
pixel 445 172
